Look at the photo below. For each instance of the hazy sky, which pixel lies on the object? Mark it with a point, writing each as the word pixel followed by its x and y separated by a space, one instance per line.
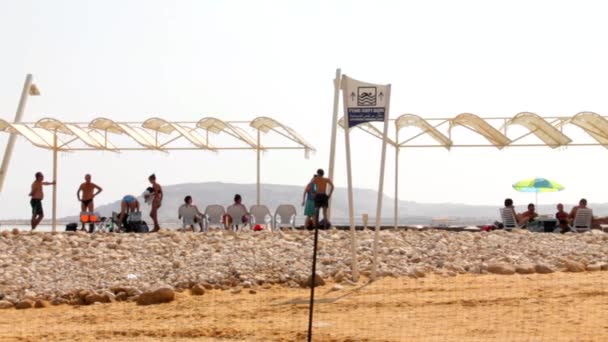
pixel 131 60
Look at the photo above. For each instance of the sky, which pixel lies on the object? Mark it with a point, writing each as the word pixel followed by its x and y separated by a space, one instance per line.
pixel 236 60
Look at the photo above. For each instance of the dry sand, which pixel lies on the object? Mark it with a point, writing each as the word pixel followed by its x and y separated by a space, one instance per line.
pixel 552 307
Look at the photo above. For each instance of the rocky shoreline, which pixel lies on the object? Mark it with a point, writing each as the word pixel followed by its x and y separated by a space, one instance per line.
pixel 41 269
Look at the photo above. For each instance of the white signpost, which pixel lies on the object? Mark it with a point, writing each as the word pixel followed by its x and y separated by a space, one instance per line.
pixel 365 102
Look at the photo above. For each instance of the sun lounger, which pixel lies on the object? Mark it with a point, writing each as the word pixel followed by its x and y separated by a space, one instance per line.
pixel 214 214
pixel 285 216
pixel 239 216
pixel 261 215
pixel 509 221
pixel 582 220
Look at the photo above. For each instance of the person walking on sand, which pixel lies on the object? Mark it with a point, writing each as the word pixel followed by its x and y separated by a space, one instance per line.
pixel 37 195
pixel 321 196
pixel 88 193
pixel 157 198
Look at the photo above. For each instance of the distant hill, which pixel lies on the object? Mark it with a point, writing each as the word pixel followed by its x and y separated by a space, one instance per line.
pixel 365 202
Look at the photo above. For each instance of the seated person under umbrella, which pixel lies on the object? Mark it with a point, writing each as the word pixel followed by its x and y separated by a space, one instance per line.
pixel 529 215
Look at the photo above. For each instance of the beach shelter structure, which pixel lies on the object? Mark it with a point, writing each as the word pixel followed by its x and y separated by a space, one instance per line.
pixel 156 134
pixel 494 131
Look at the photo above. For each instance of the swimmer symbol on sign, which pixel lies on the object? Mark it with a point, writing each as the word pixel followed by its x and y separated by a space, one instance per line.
pixel 366 96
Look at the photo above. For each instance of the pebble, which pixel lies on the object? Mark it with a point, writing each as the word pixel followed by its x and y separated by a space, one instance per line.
pixel 5 304
pixel 24 304
pixel 525 269
pixel 574 266
pixel 161 295
pixel 198 290
pixel 501 268
pixel 318 281
pixel 67 267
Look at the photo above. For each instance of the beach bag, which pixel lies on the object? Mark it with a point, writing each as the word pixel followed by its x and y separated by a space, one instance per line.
pixel 134 216
pixel 142 227
pixel 71 227
pixel 258 227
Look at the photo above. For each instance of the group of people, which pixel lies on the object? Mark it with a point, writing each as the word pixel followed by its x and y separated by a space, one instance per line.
pixel 86 194
pixel 564 219
pixel 315 200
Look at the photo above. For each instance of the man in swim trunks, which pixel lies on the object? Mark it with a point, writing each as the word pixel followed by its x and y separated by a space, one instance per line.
pixel 321 196
pixel 128 204
pixel 36 202
pixel 88 193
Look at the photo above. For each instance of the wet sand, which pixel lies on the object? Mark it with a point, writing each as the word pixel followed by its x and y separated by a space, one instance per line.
pixel 552 307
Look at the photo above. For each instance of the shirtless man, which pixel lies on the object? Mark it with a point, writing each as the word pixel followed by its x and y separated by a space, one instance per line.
pixel 88 193
pixel 581 204
pixel 36 202
pixel 157 197
pixel 321 196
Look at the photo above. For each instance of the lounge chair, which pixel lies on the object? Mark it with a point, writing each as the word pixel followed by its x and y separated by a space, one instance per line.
pixel 509 221
pixel 285 215
pixel 214 214
pixel 191 217
pixel 582 221
pixel 261 215
pixel 239 216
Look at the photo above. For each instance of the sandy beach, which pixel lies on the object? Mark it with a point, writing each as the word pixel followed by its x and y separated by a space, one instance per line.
pixel 552 307
pixel 434 286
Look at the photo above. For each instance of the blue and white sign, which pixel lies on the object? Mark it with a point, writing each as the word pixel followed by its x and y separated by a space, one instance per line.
pixel 364 102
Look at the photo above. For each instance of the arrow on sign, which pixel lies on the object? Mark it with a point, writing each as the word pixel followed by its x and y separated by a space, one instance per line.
pixel 381 95
pixel 352 96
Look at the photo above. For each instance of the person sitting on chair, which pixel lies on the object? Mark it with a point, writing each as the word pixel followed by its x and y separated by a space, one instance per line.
pixel 529 215
pixel 519 217
pixel 189 214
pixel 581 204
pixel 562 218
pixel 237 203
pixel 128 204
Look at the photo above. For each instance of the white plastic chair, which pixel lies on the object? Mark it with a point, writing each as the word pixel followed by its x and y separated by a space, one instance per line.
pixel 213 216
pixel 285 216
pixel 582 220
pixel 260 214
pixel 509 221
pixel 190 216
pixel 237 213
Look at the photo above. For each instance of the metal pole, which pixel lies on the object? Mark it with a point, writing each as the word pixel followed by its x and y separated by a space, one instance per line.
pixel 312 283
pixel 258 171
pixel 351 214
pixel 11 140
pixel 397 178
pixel 55 148
pixel 334 127
pixel 380 187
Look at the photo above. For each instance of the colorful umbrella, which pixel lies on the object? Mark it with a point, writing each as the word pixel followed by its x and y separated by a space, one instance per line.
pixel 537 185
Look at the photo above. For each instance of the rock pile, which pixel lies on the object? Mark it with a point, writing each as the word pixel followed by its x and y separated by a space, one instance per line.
pixel 81 269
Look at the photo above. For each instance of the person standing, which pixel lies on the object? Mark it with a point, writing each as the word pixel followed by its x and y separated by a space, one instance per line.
pixel 321 196
pixel 157 197
pixel 37 195
pixel 308 202
pixel 88 193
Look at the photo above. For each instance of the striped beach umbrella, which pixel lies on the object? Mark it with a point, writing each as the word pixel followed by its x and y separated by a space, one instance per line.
pixel 537 185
